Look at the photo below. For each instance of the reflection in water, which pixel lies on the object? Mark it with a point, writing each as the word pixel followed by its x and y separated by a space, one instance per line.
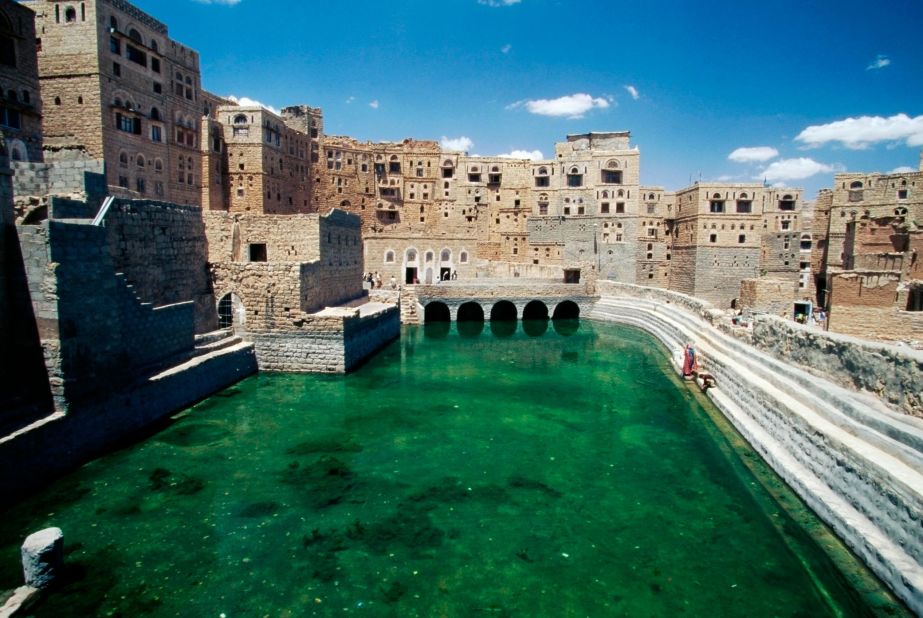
pixel 470 329
pixel 437 330
pixel 535 328
pixel 566 328
pixel 503 328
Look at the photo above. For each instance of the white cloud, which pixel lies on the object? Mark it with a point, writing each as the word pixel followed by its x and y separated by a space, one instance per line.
pixel 496 3
pixel 796 169
pixel 633 92
pixel 224 2
pixel 752 154
pixel 506 48
pixel 880 62
pixel 534 155
pixel 904 169
pixel 374 104
pixel 350 99
pixel 248 102
pixel 458 144
pixel 570 106
pixel 861 132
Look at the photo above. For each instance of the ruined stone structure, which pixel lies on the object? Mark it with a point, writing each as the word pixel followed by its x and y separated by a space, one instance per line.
pixel 867 258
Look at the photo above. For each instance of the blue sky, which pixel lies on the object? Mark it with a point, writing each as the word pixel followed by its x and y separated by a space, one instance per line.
pixel 805 88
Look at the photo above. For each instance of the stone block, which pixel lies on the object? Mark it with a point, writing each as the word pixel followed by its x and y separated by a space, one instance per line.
pixel 43 557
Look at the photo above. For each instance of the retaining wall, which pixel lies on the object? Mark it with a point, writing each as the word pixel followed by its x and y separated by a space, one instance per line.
pixel 857 463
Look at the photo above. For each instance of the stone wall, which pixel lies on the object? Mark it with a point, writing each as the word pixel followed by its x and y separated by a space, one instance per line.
pixel 891 373
pixel 25 394
pixel 21 131
pixel 84 177
pixel 327 343
pixel 95 331
pixel 161 250
pixel 767 296
pixel 854 461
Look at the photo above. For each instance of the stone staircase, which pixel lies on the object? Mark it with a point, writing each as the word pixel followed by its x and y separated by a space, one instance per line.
pixel 216 340
pixel 856 462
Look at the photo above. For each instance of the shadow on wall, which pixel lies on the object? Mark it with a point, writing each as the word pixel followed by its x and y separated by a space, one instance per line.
pixel 25 393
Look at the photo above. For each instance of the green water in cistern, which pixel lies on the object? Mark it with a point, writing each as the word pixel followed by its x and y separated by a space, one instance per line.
pixel 499 469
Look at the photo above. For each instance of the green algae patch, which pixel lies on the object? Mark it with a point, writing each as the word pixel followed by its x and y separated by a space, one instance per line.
pixel 543 468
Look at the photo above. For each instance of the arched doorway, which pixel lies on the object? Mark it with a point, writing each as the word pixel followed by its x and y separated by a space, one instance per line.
pixel 436 312
pixel 231 312
pixel 503 310
pixel 535 310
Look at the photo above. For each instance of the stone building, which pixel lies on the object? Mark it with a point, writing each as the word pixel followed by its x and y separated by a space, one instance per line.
pixel 866 258
pixel 724 233
pixel 260 164
pixel 20 99
pixel 292 284
pixel 117 88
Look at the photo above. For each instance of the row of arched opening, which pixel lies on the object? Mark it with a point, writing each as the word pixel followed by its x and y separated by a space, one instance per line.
pixel 502 311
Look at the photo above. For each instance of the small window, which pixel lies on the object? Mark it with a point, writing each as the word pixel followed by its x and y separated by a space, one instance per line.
pixel 389 257
pixel 463 257
pixel 70 15
pixel 620 207
pixel 612 177
pixel 258 252
pixel 604 208
pixel 713 238
pixel 716 206
pixel 902 194
pixel 744 206
pixel 741 239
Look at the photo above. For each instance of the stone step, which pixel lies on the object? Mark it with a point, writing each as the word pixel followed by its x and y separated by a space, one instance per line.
pixel 213 336
pixel 218 344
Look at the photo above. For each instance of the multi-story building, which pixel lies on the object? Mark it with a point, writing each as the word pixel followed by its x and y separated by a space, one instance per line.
pixel 866 255
pixel 116 87
pixel 20 103
pixel 724 233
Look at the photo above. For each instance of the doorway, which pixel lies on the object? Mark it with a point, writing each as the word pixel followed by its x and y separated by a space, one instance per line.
pixel 410 275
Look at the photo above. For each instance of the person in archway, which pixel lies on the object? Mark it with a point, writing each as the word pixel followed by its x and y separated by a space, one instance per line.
pixel 454 275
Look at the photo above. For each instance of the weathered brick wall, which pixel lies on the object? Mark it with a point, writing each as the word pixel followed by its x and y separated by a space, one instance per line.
pixel 288 238
pixel 161 250
pixel 78 177
pixel 461 256
pixel 886 323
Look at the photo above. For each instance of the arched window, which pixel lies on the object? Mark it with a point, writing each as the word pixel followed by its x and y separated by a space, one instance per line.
pixel 856 184
pixel 389 257
pixel 651 196
pixel 155 114
pixel 135 36
pixel 429 256
pixel 240 119
pixel 463 257
pixel 446 255
pixel 716 196
pixel 158 166
pixel 70 15
pixel 7 42
pixel 411 255
pixel 123 159
pixel 140 160
pixel 612 164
